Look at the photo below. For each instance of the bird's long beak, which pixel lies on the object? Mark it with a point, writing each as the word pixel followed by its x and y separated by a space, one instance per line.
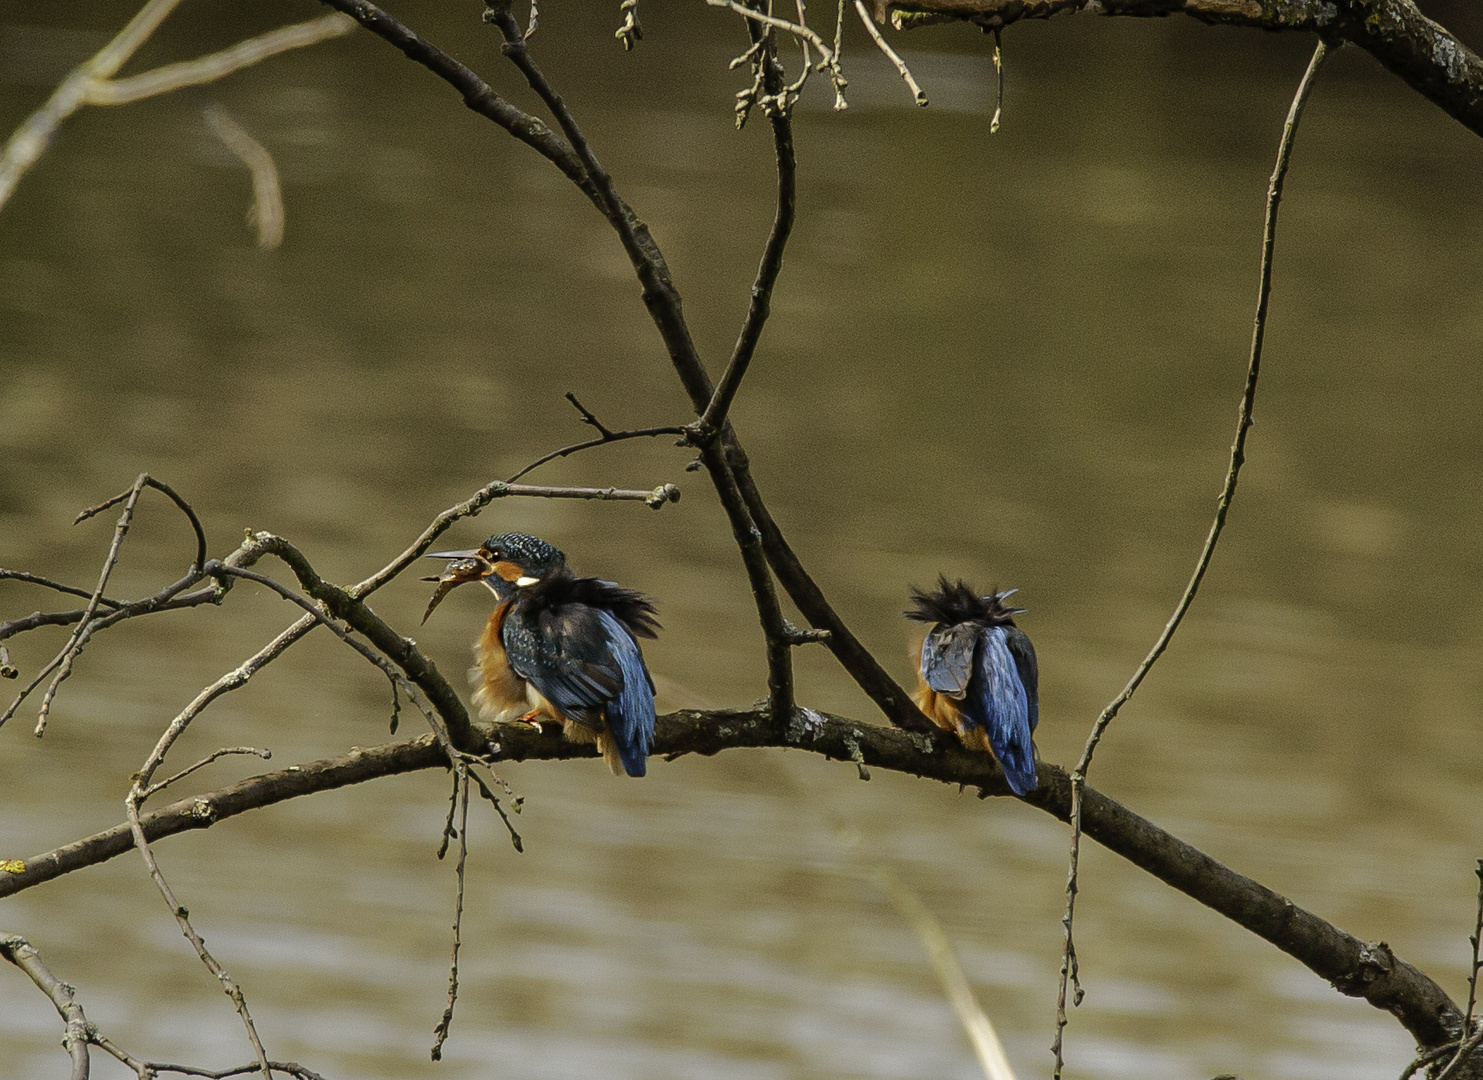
pixel 465 566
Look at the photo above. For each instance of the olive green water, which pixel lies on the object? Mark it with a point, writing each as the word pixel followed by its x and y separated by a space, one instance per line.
pixel 1014 358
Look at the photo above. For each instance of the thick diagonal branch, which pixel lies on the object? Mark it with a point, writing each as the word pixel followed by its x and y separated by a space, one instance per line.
pixel 1355 967
pixel 663 302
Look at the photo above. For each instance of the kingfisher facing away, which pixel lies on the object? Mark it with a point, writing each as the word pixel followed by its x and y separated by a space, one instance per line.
pixel 978 675
pixel 558 646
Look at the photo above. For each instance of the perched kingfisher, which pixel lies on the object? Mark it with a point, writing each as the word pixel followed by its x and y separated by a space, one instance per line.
pixel 558 646
pixel 978 675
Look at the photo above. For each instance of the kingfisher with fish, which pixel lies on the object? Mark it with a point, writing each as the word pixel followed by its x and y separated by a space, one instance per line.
pixel 558 647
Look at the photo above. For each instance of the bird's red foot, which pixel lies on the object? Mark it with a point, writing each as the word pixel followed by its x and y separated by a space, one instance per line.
pixel 529 719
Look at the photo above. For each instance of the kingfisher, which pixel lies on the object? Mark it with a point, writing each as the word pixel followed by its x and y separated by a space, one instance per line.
pixel 977 675
pixel 559 647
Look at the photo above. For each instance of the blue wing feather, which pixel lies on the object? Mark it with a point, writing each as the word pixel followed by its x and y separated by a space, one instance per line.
pixel 1028 668
pixel 999 703
pixel 631 713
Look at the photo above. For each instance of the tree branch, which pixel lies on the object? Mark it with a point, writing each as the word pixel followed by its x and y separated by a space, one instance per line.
pixel 1355 967
pixel 663 303
pixel 20 952
pixel 1425 55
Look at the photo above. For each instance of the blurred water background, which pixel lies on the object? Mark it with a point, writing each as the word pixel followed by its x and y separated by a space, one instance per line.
pixel 1015 358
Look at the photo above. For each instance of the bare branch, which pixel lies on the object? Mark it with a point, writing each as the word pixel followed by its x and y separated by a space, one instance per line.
pixel 771 265
pixel 147 481
pixel 62 664
pixel 218 65
pixel 182 918
pixel 70 590
pixel 603 440
pixel 1068 972
pixel 266 211
pixel 461 791
pixel 215 755
pixel 19 952
pixel 891 54
pixel 1428 57
pixel 91 83
pixel 1355 967
pixel 830 58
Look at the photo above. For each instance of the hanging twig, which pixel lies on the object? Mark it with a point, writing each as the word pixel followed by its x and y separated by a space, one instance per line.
pixel 440 1033
pixel 266 211
pixel 998 81
pixel 891 54
pixel 1068 972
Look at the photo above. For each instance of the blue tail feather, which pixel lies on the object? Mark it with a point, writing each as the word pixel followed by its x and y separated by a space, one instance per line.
pixel 631 713
pixel 1003 709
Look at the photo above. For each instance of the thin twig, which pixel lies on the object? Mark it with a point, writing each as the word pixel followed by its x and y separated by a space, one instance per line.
pixel 148 1070
pixel 92 83
pixel 217 65
pixel 1436 1053
pixel 891 54
pixel 145 480
pixel 587 417
pixel 616 436
pixel 30 140
pixel 605 436
pixel 714 416
pixel 266 755
pixel 62 665
pixel 829 59
pixel 490 796
pixel 1238 456
pixel 167 599
pixel 23 955
pixel 440 1033
pixel 1465 1051
pixel 998 81
pixel 630 33
pixel 266 211
pixel 1467 1041
pixel 70 590
pixel 182 918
